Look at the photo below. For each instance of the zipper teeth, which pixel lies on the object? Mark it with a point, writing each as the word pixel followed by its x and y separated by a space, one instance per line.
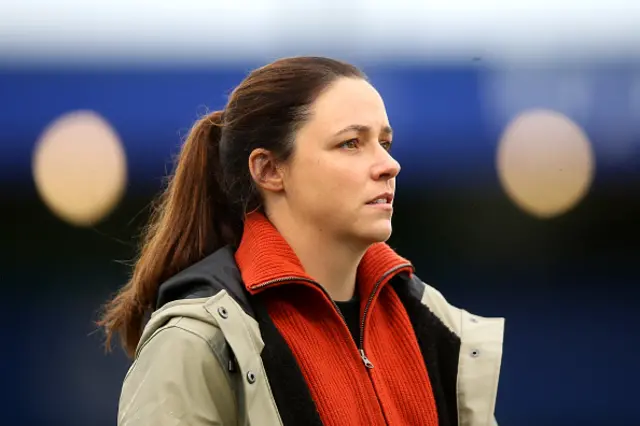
pixel 307 280
pixel 370 300
pixel 277 280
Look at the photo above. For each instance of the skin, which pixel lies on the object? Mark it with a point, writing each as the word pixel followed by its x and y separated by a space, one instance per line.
pixel 318 200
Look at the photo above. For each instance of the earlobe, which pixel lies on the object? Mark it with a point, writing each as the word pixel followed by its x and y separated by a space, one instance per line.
pixel 265 171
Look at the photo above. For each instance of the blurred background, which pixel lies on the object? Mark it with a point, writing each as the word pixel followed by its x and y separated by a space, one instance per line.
pixel 517 125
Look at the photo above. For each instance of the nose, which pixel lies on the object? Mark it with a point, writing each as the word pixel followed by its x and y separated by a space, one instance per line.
pixel 386 167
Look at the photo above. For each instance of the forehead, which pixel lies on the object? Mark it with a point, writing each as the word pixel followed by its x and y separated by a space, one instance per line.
pixel 346 102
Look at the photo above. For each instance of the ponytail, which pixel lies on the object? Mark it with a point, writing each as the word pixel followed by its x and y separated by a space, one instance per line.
pixel 191 220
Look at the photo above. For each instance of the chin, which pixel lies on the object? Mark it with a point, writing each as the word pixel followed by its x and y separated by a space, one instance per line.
pixel 378 233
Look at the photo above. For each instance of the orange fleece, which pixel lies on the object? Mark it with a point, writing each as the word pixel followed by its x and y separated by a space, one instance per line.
pixel 397 390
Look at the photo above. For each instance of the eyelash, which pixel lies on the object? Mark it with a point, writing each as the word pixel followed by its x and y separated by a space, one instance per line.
pixel 385 144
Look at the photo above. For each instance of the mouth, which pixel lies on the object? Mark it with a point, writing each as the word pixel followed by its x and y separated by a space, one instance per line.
pixel 382 199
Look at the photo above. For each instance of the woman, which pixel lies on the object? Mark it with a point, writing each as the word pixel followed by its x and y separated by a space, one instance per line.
pixel 276 298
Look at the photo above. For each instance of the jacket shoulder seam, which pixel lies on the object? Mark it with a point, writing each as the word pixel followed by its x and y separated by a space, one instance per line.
pixel 208 341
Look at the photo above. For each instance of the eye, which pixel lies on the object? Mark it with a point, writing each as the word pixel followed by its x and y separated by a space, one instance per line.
pixel 386 145
pixel 350 144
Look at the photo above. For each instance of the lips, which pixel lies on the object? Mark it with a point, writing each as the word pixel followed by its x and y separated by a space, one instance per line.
pixel 384 198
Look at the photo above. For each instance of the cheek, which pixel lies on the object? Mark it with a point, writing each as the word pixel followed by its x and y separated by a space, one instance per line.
pixel 346 183
pixel 326 181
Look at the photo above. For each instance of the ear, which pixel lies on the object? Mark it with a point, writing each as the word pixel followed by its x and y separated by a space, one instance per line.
pixel 265 170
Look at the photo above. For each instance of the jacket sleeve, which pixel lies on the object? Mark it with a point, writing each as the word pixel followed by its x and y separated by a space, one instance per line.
pixel 176 380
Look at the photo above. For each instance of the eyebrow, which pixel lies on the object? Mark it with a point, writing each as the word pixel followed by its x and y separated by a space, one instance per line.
pixel 363 129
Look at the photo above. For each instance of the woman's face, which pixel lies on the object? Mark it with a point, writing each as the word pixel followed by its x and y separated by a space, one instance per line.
pixel 341 164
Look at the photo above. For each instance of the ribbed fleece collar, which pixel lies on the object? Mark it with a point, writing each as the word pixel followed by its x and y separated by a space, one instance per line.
pixel 264 257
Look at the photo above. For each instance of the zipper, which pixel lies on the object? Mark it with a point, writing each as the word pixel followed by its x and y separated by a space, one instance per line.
pixel 367 363
pixel 366 360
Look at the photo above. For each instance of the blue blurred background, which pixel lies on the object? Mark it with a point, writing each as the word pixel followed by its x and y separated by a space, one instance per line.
pixel 517 126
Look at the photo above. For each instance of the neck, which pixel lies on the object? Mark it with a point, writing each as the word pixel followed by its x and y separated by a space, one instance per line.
pixel 331 262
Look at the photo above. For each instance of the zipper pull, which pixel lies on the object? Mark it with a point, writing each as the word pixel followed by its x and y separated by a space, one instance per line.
pixel 366 361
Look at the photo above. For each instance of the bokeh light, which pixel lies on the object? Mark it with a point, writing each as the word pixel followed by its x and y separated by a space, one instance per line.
pixel 545 162
pixel 79 168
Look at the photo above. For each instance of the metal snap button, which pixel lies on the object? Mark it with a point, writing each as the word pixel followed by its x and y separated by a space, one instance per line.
pixel 222 311
pixel 251 377
pixel 475 353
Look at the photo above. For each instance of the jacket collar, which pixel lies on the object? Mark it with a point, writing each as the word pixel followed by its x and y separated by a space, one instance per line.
pixel 264 258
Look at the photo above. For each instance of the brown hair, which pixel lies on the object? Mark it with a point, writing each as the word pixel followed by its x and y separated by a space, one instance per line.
pixel 211 189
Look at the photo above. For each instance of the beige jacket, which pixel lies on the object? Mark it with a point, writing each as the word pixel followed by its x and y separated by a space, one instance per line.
pixel 181 372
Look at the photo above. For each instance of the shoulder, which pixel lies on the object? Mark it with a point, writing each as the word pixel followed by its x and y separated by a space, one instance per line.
pixel 183 336
pixel 456 319
pixel 180 370
pixel 185 328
